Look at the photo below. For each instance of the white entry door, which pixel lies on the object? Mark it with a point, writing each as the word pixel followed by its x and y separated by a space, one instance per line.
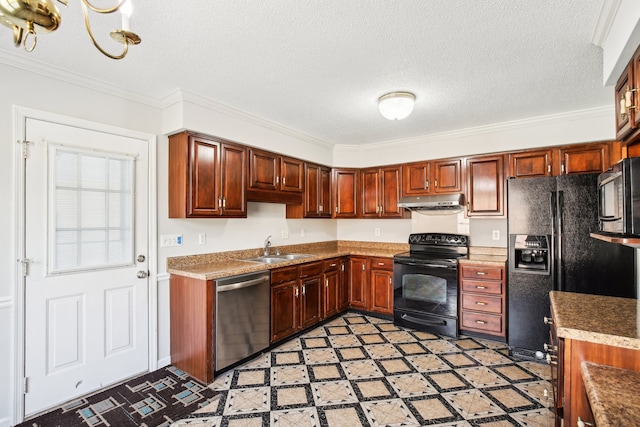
pixel 86 242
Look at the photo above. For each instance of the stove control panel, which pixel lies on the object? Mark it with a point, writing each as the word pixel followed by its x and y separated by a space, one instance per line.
pixel 438 239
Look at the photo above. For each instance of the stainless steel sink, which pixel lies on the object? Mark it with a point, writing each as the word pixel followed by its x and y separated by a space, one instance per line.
pixel 272 259
pixel 293 256
pixel 265 259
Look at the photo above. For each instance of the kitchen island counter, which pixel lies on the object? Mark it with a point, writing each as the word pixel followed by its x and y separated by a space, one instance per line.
pixel 596 319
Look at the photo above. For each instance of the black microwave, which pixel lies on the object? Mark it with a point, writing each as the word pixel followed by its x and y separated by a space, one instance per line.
pixel 619 198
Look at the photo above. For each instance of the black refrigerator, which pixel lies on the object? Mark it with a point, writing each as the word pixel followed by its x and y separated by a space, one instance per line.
pixel 550 219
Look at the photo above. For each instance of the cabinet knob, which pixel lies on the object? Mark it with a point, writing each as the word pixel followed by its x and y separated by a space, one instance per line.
pixel 426 184
pixel 304 290
pixel 436 183
pixel 548 168
pixel 550 360
pixel 284 180
pixel 297 293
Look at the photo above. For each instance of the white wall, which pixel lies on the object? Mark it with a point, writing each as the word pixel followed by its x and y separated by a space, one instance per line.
pixel 621 39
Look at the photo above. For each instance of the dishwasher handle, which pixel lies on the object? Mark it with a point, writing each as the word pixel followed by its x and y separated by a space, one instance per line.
pixel 240 285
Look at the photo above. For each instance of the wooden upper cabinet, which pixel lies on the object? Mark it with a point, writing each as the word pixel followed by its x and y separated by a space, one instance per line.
pixel 447 176
pixel 485 186
pixel 317 201
pixel 274 178
pixel 434 177
pixel 206 177
pixel 345 193
pixel 381 192
pixel 588 158
pixel 530 164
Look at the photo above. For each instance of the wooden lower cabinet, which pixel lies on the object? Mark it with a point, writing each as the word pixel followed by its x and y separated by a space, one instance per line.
pixel 343 287
pixel 331 288
pixel 358 283
pixel 284 303
pixel 192 330
pixel 310 283
pixel 566 364
pixel 381 284
pixel 483 299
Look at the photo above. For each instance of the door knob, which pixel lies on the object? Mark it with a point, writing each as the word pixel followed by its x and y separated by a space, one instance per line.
pixel 141 258
pixel 142 274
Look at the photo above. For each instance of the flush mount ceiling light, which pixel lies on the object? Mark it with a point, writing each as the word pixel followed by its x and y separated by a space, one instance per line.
pixel 43 15
pixel 396 105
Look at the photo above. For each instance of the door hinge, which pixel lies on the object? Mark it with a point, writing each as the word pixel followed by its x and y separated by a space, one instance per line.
pixel 25 148
pixel 25 266
pixel 25 385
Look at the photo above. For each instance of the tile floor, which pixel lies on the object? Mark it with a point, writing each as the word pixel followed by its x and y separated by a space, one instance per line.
pixel 364 371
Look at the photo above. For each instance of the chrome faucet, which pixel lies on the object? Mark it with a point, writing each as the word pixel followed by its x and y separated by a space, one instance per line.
pixel 267 243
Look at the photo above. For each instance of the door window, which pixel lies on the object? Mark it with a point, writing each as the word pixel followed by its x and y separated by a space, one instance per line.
pixel 91 213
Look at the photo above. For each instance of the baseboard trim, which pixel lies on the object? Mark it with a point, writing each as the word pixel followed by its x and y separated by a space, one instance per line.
pixel 165 361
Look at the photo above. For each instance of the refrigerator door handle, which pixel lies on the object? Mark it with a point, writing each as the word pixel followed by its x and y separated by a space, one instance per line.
pixel 554 215
pixel 560 231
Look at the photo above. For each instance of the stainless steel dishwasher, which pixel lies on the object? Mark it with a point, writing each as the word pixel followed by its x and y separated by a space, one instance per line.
pixel 242 317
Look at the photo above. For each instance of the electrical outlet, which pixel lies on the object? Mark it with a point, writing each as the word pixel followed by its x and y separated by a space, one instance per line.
pixel 496 235
pixel 202 238
pixel 376 231
pixel 284 234
pixel 303 232
pixel 168 240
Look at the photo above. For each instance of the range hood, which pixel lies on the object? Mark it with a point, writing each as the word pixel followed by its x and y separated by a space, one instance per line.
pixel 448 202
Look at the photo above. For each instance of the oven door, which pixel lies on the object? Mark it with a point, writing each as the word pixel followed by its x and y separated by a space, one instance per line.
pixel 425 296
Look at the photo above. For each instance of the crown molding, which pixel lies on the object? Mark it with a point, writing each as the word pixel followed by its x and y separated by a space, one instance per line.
pixel 180 95
pixel 480 130
pixel 70 77
pixel 608 13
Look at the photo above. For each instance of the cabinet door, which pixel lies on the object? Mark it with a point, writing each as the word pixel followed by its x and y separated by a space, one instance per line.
pixel 312 191
pixel 381 298
pixel 233 166
pixel 291 175
pixel 371 206
pixel 447 176
pixel 390 192
pixel 358 285
pixel 264 173
pixel 530 164
pixel 194 176
pixel 324 192
pixel 345 280
pixel 588 158
pixel 204 175
pixel 345 191
pixel 625 117
pixel 284 310
pixel 415 179
pixel 331 291
pixel 485 186
pixel 310 301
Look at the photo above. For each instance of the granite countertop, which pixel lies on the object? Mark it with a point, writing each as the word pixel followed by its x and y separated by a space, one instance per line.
pixel 224 264
pixel 610 391
pixel 486 256
pixel 596 319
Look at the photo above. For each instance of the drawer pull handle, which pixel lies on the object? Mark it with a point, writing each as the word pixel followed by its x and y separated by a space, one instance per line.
pixel 481 322
pixel 548 320
pixel 480 273
pixel 333 265
pixel 381 263
pixel 481 303
pixel 480 287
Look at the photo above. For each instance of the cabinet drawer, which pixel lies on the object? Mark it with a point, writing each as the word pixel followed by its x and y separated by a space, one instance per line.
pixel 382 263
pixel 331 264
pixel 489 304
pixel 481 272
pixel 282 275
pixel 311 269
pixel 482 286
pixel 482 322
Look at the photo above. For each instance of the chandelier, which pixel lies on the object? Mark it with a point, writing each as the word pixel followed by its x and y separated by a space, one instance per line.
pixel 27 18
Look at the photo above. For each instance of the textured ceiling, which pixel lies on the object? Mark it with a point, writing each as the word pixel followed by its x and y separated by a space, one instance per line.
pixel 319 66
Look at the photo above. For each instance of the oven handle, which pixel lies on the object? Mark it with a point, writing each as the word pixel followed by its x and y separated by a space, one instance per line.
pixel 417 264
pixel 422 321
